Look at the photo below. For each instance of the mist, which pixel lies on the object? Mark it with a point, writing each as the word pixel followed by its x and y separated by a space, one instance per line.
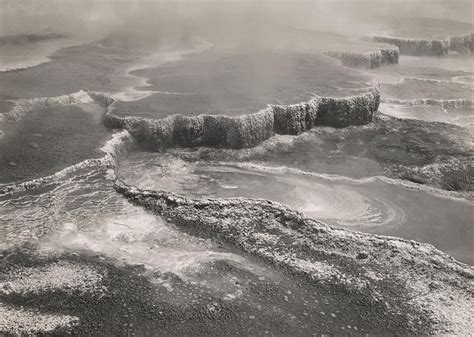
pixel 152 23
pixel 236 167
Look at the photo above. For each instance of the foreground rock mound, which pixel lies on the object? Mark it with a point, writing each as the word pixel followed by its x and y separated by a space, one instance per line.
pixel 431 287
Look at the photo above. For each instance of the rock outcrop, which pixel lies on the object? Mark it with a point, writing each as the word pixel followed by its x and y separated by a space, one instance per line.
pixel 406 46
pixel 462 43
pixel 203 130
pixel 430 47
pixel 369 60
pixel 455 175
pixel 416 46
pixel 248 130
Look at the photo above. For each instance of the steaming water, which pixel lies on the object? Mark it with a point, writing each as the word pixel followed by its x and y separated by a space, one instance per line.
pixel 370 205
pixel 82 212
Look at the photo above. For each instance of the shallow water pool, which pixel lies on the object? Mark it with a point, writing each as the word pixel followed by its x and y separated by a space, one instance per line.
pixel 375 205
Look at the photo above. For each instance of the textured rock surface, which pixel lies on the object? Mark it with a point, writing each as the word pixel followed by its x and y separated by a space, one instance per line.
pixel 416 46
pixel 462 43
pixel 248 130
pixel 369 60
pixel 434 286
pixel 458 43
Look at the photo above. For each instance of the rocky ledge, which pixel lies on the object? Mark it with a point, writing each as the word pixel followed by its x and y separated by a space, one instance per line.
pixel 431 288
pixel 248 130
pixel 368 60
pixel 431 47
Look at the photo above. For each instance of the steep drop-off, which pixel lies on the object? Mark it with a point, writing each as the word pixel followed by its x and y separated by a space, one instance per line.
pixel 368 60
pixel 248 130
pixel 431 47
pixel 416 46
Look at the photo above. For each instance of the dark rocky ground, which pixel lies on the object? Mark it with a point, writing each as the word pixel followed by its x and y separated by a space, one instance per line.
pixel 131 302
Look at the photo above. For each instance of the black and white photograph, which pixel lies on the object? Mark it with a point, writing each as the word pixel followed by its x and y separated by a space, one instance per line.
pixel 236 168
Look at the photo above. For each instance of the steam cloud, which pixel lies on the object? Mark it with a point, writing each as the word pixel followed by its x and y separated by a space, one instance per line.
pixel 244 22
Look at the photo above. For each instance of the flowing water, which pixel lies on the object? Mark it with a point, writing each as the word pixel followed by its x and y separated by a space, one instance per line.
pixel 84 212
pixel 77 210
pixel 373 205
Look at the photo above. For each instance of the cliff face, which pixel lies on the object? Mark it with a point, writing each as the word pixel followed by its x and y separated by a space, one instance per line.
pixel 462 43
pixel 370 60
pixel 415 46
pixel 204 130
pixel 385 56
pixel 342 112
pixel 248 130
